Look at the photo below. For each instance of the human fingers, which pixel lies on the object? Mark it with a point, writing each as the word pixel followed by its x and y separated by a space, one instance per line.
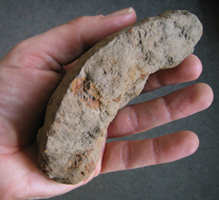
pixel 123 155
pixel 188 70
pixel 35 66
pixel 63 44
pixel 179 104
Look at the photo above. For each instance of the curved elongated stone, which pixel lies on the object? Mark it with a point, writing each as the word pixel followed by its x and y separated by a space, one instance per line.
pixel 103 81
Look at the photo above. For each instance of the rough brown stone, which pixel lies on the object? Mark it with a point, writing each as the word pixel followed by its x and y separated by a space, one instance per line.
pixel 103 81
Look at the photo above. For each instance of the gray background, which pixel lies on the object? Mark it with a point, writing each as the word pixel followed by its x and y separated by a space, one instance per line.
pixel 195 177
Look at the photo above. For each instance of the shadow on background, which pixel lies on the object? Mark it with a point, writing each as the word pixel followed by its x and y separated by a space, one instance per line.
pixel 210 17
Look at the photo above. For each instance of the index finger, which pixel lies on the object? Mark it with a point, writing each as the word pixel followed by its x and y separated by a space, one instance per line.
pixel 188 70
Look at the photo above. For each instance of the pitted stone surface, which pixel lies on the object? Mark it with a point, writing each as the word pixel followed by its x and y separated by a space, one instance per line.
pixel 104 80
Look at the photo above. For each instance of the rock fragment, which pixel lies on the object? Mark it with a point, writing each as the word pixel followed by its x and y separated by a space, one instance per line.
pixel 104 80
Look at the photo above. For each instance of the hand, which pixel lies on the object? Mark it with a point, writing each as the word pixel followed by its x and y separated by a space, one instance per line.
pixel 32 70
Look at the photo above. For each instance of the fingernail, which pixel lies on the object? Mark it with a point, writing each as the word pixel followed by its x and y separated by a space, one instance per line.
pixel 121 12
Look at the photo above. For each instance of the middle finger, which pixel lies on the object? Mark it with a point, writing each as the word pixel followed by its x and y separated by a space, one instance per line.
pixel 179 104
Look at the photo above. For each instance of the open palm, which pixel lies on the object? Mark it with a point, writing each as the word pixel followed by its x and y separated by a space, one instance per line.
pixel 32 70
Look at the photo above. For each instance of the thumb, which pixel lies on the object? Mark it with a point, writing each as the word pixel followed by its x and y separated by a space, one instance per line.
pixel 65 43
pixel 31 65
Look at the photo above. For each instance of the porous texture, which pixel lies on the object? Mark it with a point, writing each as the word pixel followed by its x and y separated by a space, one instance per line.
pixel 104 80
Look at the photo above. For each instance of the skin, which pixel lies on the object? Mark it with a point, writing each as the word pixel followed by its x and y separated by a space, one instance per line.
pixel 31 71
